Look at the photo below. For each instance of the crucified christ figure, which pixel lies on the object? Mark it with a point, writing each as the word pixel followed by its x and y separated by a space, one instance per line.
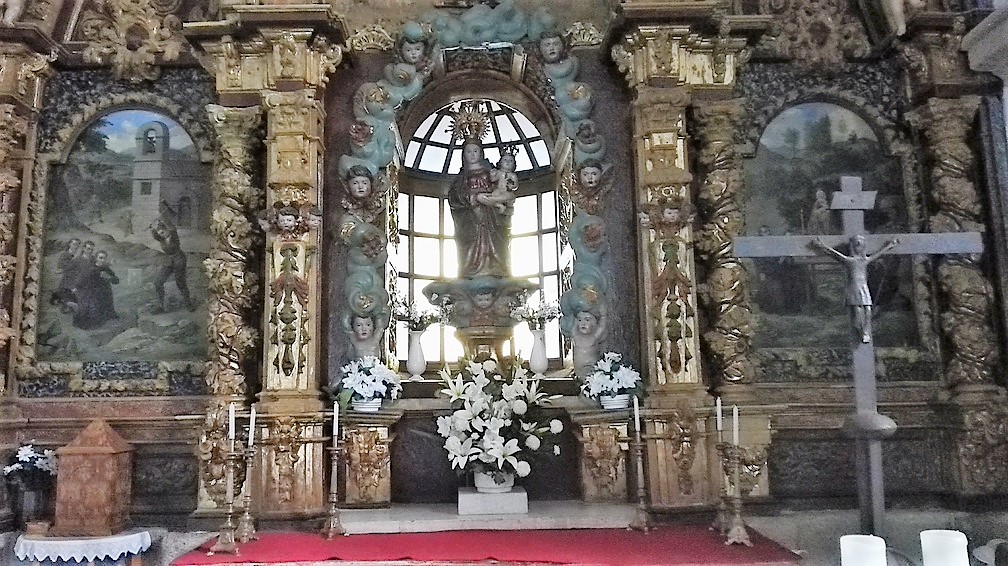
pixel 858 296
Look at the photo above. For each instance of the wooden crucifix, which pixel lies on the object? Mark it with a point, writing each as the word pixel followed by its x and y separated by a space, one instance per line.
pixel 866 425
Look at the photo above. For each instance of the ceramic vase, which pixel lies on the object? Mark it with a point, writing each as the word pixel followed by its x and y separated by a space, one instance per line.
pixel 537 360
pixel 484 482
pixel 615 402
pixel 367 406
pixel 415 362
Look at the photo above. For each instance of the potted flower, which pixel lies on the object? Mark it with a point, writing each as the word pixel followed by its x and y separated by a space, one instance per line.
pixel 31 471
pixel 366 381
pixel 537 316
pixel 496 424
pixel 417 319
pixel 612 382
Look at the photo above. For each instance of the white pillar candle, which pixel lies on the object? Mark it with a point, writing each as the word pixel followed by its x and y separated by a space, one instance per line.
pixel 636 412
pixel 231 424
pixel 862 550
pixel 720 415
pixel 252 427
pixel 335 424
pixel 944 548
pixel 734 427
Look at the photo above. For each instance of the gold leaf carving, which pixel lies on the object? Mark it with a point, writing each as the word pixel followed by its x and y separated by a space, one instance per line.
pixel 370 38
pixel 581 34
pixel 132 36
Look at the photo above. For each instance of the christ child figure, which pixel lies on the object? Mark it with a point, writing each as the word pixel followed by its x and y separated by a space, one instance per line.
pixel 505 183
pixel 587 337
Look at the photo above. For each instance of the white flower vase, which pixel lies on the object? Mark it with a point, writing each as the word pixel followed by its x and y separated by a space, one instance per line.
pixel 415 362
pixel 537 360
pixel 615 402
pixel 484 482
pixel 372 405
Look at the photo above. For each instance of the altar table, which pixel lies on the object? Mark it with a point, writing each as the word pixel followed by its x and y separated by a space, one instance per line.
pixel 100 550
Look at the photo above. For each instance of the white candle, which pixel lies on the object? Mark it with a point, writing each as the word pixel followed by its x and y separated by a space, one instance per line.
pixel 335 425
pixel 734 430
pixel 231 424
pixel 944 548
pixel 720 415
pixel 252 428
pixel 862 550
pixel 636 412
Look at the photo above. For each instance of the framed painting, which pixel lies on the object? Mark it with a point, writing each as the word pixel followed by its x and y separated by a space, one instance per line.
pixel 121 291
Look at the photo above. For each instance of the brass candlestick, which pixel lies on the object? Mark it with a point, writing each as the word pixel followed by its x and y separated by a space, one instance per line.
pixel 332 525
pixel 640 522
pixel 737 532
pixel 246 530
pixel 721 519
pixel 226 538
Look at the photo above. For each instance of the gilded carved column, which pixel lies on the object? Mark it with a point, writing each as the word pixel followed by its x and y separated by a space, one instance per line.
pixel 976 407
pixel 728 338
pixel 233 286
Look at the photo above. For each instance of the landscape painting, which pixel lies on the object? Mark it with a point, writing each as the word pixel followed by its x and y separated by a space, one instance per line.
pixel 126 233
pixel 799 302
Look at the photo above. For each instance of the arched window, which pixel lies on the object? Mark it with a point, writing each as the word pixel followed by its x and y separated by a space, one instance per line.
pixel 426 250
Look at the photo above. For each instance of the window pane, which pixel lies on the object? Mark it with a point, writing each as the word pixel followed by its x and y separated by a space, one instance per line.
pixel 527 127
pixel 421 132
pixel 553 339
pixel 492 154
pixel 526 216
pixel 525 256
pixel 442 131
pixel 541 153
pixel 453 348
pixel 549 210
pixel 522 161
pixel 430 341
pixel 433 158
pixel 507 131
pixel 425 215
pixel 404 253
pixel 402 341
pixel 418 297
pixel 450 259
pixel 549 251
pixel 455 165
pixel 551 288
pixel 426 256
pixel 412 150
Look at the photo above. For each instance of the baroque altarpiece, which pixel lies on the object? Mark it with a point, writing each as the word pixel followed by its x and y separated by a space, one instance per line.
pixel 178 234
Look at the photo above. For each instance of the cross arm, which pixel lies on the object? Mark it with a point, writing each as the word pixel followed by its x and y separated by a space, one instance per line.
pixel 909 244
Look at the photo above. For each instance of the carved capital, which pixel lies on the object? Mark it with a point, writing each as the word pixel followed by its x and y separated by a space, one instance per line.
pixel 22 72
pixel 294 129
pixel 236 130
pixel 677 55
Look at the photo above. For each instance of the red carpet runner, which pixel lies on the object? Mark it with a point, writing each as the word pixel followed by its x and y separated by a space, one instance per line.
pixel 679 545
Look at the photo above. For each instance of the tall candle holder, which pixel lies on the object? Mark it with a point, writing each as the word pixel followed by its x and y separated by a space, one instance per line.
pixel 226 537
pixel 721 519
pixel 640 521
pixel 246 530
pixel 332 525
pixel 737 532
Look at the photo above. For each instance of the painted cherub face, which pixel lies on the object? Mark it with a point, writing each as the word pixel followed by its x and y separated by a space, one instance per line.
pixel 363 327
pixel 590 177
pixel 551 49
pixel 585 322
pixel 286 222
pixel 483 300
pixel 671 215
pixel 411 52
pixel 359 186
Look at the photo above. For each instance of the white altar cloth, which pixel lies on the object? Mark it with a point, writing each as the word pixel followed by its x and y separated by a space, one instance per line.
pixel 81 549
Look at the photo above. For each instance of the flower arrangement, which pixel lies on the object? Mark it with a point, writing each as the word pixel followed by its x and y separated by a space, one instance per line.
pixel 33 468
pixel 367 378
pixel 536 315
pixel 611 376
pixel 417 317
pixel 496 423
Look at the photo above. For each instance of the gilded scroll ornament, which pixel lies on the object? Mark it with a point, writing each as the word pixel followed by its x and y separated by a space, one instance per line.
pixel 583 34
pixel 132 36
pixel 604 458
pixel 370 38
pixel 983 449
pixel 286 439
pixel 231 281
pixel 369 458
pixel 816 34
pixel 729 337
pixel 211 450
pixel 677 434
pixel 966 322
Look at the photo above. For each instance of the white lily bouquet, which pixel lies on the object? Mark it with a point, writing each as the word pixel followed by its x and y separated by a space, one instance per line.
pixel 611 376
pixel 368 378
pixel 497 422
pixel 536 315
pixel 33 468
